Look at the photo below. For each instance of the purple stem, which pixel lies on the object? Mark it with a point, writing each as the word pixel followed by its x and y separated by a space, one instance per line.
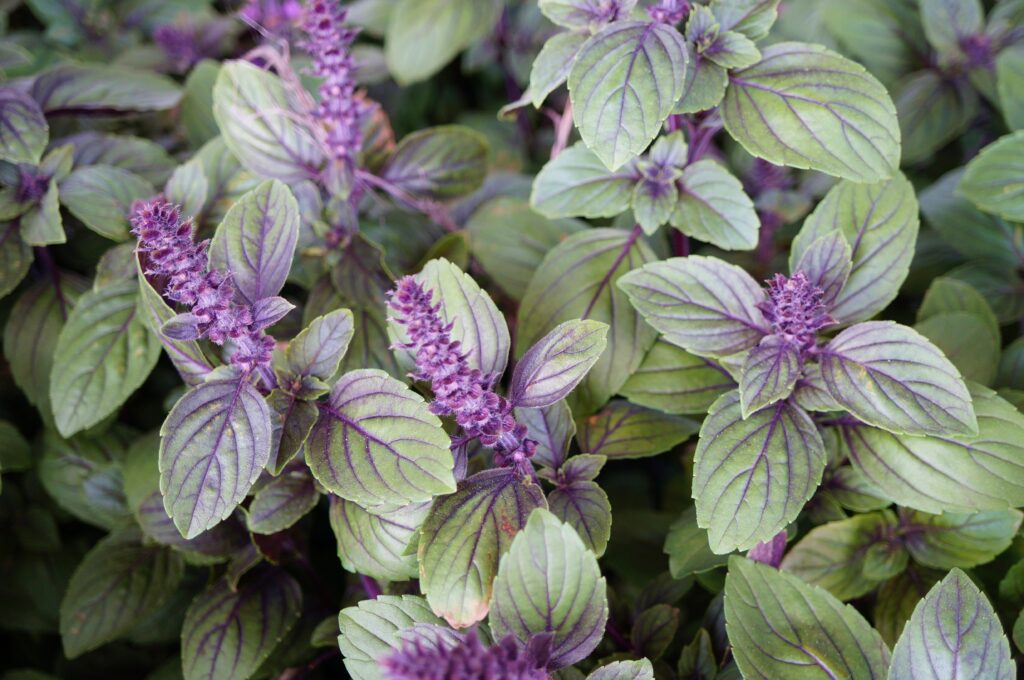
pixel 51 268
pixel 680 244
pixel 372 588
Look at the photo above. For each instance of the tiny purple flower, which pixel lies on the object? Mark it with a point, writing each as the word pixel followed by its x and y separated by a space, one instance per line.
pixel 440 659
pixel 795 310
pixel 459 390
pixel 670 12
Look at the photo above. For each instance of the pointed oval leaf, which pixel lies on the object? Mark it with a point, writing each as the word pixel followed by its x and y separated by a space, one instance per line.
pixel 807 107
pixel 552 65
pixel 23 128
pixel 714 208
pixel 780 626
pixel 577 281
pixel 556 363
pixel 377 443
pixel 548 582
pixel 880 224
pixel 116 586
pixel 553 428
pixel 440 162
pixel 464 537
pixel 282 502
pixel 577 184
pixel 101 196
pixel 769 374
pixel 958 540
pixel 624 84
pixel 370 629
pixel 992 180
pixel 686 545
pixel 73 89
pixel 891 377
pixel 256 241
pixel 827 262
pixel 377 544
pixel 624 670
pixel 953 633
pixel 701 304
pixel 83 476
pixel 752 477
pixel 318 349
pixel 15 257
pixel 672 380
pixel 584 506
pixel 104 353
pixel 228 633
pixel 214 444
pixel 622 430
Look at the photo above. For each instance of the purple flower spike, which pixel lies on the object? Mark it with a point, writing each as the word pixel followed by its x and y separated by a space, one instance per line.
pixel 795 310
pixel 770 552
pixel 670 12
pixel 439 659
pixel 459 390
pixel 174 256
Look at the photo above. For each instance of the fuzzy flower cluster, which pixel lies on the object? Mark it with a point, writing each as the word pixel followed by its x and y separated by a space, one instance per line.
pixel 669 12
pixel 329 43
pixel 459 390
pixel 467 660
pixel 276 17
pixel 182 264
pixel 795 310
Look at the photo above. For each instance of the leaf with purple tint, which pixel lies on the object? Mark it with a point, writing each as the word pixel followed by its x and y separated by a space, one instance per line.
pixel 897 598
pixel 376 442
pixel 958 540
pixel 653 203
pixel 992 179
pixel 256 241
pixel 577 184
pixel 769 374
pixel 624 83
pixel 953 633
pixel 553 428
pixel 83 475
pixel 227 634
pixel 672 380
pixel 441 162
pixel 948 473
pixel 705 84
pixel 686 545
pixel 318 349
pixel 116 586
pixel 584 14
pixel 101 197
pixel 23 128
pixel 548 582
pixel 477 324
pixel 137 155
pixel 104 353
pixel 880 224
pixel 623 430
pixel 372 628
pixel 379 544
pixel 15 257
pixel 293 420
pixel 948 24
pixel 827 262
pixel 214 444
pixel 701 304
pixel 577 281
pixel 102 89
pixel 584 506
pixel 805 106
pixel 624 670
pixel 465 535
pixel 653 630
pixel 752 18
pixel 257 117
pixel 752 477
pixel 891 377
pixel 552 65
pixel 781 627
pixel 186 355
pixel 282 502
pixel 714 208
pixel 556 363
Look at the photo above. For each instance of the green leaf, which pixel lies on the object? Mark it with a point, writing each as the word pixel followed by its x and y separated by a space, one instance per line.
pixel 553 428
pixel 24 131
pixel 753 18
pixel 577 281
pixel 457 575
pixel 672 380
pixel 933 111
pixel 714 208
pixel 622 430
pixel 377 443
pixel 584 506
pixel 623 85
pixel 552 65
pixel 947 22
pixel 548 582
pixel 780 626
pixel 752 477
pixel 582 14
pixel 441 162
pixel 83 476
pixel 101 196
pixel 833 555
pixel 1010 84
pixel 371 629
pixel 874 33
pixel 294 419
pixel 119 583
pixel 624 670
pixel 256 241
pixel 897 598
pixel 807 107
pixel 42 224
pixel 654 630
pixel 76 89
pixel 1001 285
pixel 992 180
pixel 704 86
pixel 424 35
pixel 104 353
pixel 556 363
pixel 577 184
pixel 653 203
pixel 697 661
pixel 15 257
pixel 214 444
pixel 143 157
pixel 227 634
pixel 954 632
pixel 196 113
pixel 318 349
pixel 1011 366
pixel 257 118
pixel 510 241
pixel 282 502
pixel 377 544
pixel 769 374
pixel 733 50
pixel 15 454
pixel 702 304
pixel 955 540
pixel 967 341
pixel 687 547
pixel 880 223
